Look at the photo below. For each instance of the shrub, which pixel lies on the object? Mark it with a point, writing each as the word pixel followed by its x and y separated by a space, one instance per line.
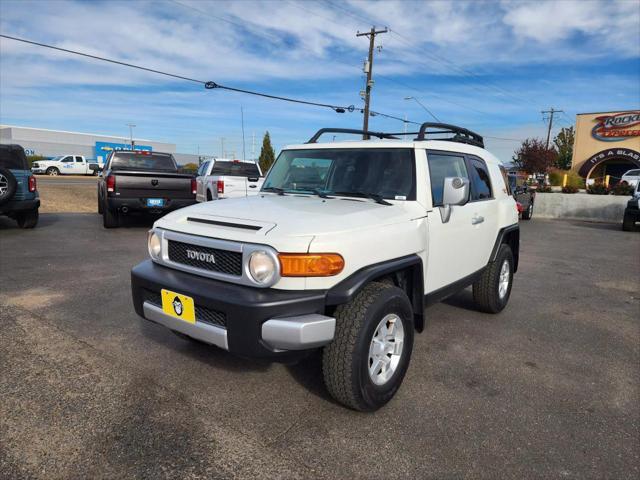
pixel 570 189
pixel 34 158
pixel 622 188
pixel 544 189
pixel 189 168
pixel 597 189
pixel 555 177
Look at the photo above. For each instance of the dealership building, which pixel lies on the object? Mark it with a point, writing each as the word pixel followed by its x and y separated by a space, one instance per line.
pixel 51 143
pixel 606 143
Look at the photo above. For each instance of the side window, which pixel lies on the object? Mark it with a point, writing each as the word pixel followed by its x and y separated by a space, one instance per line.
pixel 440 167
pixel 480 183
pixel 79 159
pixel 67 159
pixel 202 168
pixel 505 179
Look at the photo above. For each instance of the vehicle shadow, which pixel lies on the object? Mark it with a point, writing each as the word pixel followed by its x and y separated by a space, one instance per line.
pixel 463 300
pixel 598 226
pixel 44 220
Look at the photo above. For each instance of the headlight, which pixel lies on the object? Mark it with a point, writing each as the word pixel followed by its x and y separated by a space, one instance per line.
pixel 154 245
pixel 262 266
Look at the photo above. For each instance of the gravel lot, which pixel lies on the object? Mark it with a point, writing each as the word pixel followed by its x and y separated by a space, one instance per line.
pixel 550 388
pixel 66 194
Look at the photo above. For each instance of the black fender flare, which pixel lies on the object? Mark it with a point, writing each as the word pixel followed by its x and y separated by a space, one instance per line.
pixel 511 236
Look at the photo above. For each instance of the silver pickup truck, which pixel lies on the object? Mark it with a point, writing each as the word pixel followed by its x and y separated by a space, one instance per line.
pixel 222 178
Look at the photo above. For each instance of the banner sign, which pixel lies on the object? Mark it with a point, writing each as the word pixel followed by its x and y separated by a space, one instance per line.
pixel 614 128
pixel 617 153
pixel 103 149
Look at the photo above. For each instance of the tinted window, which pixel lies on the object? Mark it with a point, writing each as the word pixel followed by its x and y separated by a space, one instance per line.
pixel 143 161
pixel 388 172
pixel 12 158
pixel 480 183
pixel 441 167
pixel 236 169
pixel 79 159
pixel 633 172
pixel 67 159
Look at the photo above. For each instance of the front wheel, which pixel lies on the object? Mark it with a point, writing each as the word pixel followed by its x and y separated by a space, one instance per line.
pixel 365 364
pixel 53 171
pixel 110 218
pixel 492 291
pixel 28 219
pixel 628 222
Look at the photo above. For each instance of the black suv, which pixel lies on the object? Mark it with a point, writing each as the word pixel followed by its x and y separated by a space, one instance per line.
pixel 525 195
pixel 18 194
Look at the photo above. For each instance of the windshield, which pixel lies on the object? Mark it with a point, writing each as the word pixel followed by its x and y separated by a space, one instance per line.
pixel 143 161
pixel 57 159
pixel 385 172
pixel 236 169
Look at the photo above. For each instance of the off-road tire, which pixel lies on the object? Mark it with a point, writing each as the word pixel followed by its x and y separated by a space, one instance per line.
pixel 28 219
pixel 345 361
pixel 100 207
pixel 110 218
pixel 485 290
pixel 528 213
pixel 8 185
pixel 628 223
pixel 52 171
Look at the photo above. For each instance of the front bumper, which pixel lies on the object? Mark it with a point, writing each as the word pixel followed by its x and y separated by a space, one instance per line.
pixel 247 321
pixel 20 206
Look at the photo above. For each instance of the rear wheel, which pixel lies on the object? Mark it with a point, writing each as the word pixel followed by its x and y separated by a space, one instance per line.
pixel 365 364
pixel 53 171
pixel 528 213
pixel 28 219
pixel 491 292
pixel 110 218
pixel 628 222
pixel 100 209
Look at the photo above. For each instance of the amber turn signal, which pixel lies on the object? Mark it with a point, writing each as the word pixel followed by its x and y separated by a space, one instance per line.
pixel 310 264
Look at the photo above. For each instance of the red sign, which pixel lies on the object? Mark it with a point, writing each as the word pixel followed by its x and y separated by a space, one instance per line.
pixel 614 128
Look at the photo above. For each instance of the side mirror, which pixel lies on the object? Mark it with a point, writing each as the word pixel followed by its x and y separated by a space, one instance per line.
pixel 455 192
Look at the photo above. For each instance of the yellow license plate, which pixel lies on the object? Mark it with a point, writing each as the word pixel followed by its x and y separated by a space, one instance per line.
pixel 178 306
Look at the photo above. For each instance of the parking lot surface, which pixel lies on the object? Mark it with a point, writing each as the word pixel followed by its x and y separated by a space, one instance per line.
pixel 548 388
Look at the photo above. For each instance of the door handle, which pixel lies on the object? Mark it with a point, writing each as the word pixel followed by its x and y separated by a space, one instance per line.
pixel 476 220
pixel 252 186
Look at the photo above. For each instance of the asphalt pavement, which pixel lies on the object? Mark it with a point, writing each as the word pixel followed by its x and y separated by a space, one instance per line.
pixel 549 388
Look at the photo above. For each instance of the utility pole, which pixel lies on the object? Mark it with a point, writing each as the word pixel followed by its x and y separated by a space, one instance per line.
pixel 369 71
pixel 551 113
pixel 253 146
pixel 131 125
pixel 242 120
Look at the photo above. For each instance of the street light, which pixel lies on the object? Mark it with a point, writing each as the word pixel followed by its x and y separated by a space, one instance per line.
pixel 131 125
pixel 425 108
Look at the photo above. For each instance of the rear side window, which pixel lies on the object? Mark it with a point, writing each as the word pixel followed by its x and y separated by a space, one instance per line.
pixel 79 159
pixel 235 169
pixel 506 180
pixel 480 182
pixel 12 158
pixel 143 161
pixel 442 166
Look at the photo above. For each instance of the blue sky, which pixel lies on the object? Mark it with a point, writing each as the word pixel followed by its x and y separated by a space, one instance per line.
pixel 488 66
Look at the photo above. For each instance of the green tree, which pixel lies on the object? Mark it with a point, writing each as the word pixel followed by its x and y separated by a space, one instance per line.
pixel 534 157
pixel 564 145
pixel 267 154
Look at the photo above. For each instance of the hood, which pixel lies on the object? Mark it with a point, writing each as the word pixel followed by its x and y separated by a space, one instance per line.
pixel 288 215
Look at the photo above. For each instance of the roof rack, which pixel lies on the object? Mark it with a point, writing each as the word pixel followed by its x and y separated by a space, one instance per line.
pixel 460 135
pixel 322 131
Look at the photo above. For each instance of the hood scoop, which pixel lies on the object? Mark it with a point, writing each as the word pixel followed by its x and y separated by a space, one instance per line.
pixel 220 223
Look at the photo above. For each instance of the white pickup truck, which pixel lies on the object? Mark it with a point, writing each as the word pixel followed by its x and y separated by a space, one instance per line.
pixel 66 165
pixel 342 250
pixel 223 178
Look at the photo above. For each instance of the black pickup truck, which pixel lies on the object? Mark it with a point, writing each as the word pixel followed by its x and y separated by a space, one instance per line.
pixel 142 182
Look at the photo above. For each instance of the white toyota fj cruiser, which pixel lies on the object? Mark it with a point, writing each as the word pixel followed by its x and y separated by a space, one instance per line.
pixel 343 249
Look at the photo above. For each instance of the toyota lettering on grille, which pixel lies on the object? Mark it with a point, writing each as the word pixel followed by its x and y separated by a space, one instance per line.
pixel 201 256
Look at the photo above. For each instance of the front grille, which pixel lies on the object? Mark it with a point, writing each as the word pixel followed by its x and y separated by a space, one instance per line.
pixel 224 260
pixel 203 314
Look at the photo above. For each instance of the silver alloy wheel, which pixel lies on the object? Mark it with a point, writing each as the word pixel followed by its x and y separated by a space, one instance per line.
pixel 385 349
pixel 530 208
pixel 53 172
pixel 4 185
pixel 505 278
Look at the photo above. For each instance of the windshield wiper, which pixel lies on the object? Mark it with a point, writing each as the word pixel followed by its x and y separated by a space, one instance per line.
pixel 371 196
pixel 320 193
pixel 279 191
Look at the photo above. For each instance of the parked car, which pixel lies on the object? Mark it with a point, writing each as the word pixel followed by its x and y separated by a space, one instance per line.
pixel 524 195
pixel 142 182
pixel 18 192
pixel 66 165
pixel 345 245
pixel 221 178
pixel 632 211
pixel 632 177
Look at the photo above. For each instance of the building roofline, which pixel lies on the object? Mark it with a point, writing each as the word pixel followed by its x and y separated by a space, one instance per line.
pixel 612 111
pixel 125 137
